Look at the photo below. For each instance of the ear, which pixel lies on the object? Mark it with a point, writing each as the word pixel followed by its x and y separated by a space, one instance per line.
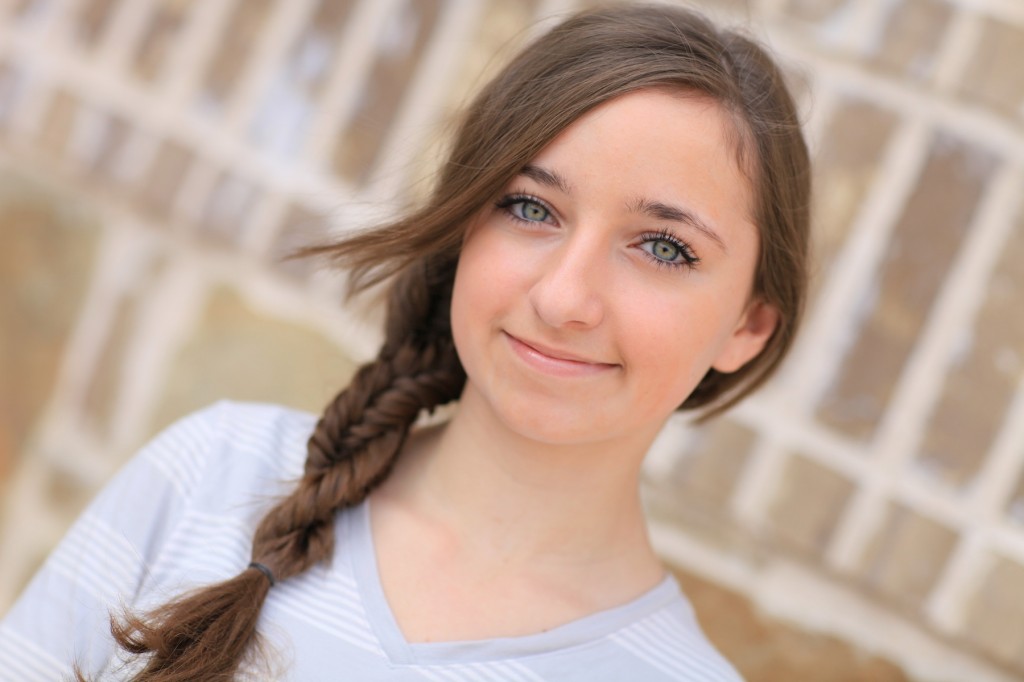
pixel 749 337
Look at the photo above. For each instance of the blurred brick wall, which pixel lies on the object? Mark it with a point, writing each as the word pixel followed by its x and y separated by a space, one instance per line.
pixel 862 518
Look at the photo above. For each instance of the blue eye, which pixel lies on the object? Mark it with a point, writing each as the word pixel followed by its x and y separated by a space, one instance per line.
pixel 526 209
pixel 532 211
pixel 665 249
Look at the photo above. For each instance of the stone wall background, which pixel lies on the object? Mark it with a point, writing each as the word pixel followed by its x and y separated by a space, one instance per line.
pixel 861 518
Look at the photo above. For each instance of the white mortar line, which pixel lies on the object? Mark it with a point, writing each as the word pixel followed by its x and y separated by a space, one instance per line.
pixel 973 122
pixel 422 102
pixel 196 133
pixel 925 371
pixel 1010 11
pixel 54 19
pixel 135 156
pixel 758 482
pixel 20 542
pixel 865 25
pixel 770 9
pixel 195 191
pixel 122 36
pixel 963 573
pixel 990 491
pixel 263 222
pixel 547 13
pixel 194 46
pixel 824 103
pixel 803 434
pixel 274 296
pixel 954 309
pixel 793 593
pixel 163 325
pixel 957 50
pixel 1008 540
pixel 116 248
pixel 985 509
pixel 281 28
pixel 28 110
pixel 347 79
pixel 843 302
pixel 668 448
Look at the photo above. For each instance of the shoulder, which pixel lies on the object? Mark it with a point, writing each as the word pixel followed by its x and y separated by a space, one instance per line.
pixel 233 438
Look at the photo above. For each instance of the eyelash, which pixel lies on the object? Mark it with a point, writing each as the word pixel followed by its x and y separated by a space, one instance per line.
pixel 507 202
pixel 689 258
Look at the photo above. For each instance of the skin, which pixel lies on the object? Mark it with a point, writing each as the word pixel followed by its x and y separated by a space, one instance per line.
pixel 589 301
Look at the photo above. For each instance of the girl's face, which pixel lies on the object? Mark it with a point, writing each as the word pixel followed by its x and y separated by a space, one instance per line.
pixel 611 274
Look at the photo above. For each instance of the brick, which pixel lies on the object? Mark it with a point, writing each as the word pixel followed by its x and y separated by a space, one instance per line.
pixel 300 227
pixel 995 615
pixel 110 137
pixel 287 107
pixel 326 24
pixel 66 495
pixel 1015 505
pixel 706 474
pixel 923 246
pixel 816 11
pixel 57 124
pixel 914 30
pixel 994 77
pixel 101 394
pixel 165 22
pixel 102 390
pixel 92 19
pixel 502 28
pixel 45 268
pixel 225 69
pixel 10 86
pixel 242 354
pixel 808 504
pixel 982 383
pixel 225 215
pixel 767 650
pixel 845 168
pixel 906 556
pixel 164 177
pixel 20 8
pixel 402 47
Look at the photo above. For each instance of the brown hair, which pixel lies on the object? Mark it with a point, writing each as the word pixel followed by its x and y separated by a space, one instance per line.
pixel 591 58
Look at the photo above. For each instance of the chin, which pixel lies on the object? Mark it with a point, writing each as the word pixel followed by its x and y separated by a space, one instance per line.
pixel 555 422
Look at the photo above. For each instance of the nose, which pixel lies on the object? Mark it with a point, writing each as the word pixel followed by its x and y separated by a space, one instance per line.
pixel 568 291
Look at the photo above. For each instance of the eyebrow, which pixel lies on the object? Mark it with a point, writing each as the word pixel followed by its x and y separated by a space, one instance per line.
pixel 663 211
pixel 547 177
pixel 655 209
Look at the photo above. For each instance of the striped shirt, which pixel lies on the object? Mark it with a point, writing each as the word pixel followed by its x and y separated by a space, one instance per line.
pixel 182 513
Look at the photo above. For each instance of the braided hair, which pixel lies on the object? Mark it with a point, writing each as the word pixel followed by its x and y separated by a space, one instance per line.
pixel 589 59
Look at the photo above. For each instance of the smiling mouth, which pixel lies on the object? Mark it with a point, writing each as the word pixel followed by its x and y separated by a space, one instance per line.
pixel 556 362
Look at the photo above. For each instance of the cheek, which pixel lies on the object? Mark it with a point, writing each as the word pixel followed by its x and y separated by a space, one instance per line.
pixel 490 273
pixel 483 287
pixel 672 344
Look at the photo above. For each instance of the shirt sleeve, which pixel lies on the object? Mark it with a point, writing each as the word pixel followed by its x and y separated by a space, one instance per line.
pixel 63 617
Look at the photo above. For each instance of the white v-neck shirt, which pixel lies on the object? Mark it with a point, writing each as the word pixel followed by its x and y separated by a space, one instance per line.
pixel 182 513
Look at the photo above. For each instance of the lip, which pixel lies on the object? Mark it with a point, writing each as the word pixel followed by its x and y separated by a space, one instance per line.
pixel 553 361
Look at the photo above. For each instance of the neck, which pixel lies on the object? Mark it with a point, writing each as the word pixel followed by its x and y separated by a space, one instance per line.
pixel 519 500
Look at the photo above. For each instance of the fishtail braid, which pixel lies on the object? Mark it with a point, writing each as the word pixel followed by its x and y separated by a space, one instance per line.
pixel 206 634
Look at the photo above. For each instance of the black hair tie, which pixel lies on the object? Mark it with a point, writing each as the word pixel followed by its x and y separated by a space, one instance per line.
pixel 265 571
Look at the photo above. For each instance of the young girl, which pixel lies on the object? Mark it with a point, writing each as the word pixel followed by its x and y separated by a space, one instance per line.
pixel 619 231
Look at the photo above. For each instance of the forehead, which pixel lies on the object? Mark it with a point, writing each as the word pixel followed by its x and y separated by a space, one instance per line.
pixel 662 145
